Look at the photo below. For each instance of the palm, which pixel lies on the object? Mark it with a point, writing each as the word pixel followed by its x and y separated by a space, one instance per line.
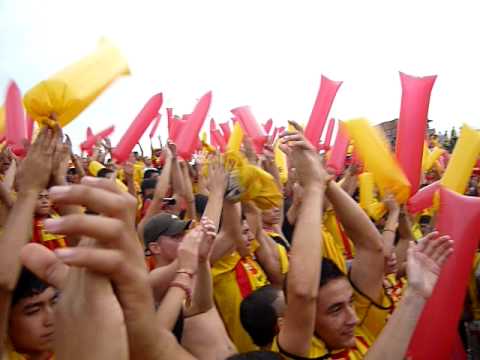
pixel 425 261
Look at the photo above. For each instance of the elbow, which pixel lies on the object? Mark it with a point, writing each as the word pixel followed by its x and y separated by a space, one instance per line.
pixel 302 294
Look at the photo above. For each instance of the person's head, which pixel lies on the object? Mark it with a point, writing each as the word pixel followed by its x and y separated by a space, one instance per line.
pixel 271 216
pixel 259 313
pixel 335 317
pixel 200 203
pixel 425 224
pixel 72 176
pixel 148 188
pixel 162 234
pixel 256 355
pixel 247 234
pixel 150 174
pixel 110 165
pixel 31 319
pixel 105 173
pixel 43 206
pixel 147 161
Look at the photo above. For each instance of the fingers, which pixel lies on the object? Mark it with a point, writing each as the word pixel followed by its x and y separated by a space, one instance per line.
pixel 108 231
pixel 422 243
pixel 98 196
pixel 432 245
pixel 443 249
pixel 44 264
pixel 102 261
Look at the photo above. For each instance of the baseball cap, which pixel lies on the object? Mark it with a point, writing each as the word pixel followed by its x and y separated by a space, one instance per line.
pixel 163 224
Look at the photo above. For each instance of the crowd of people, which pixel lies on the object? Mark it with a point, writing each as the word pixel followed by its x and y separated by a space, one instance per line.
pixel 155 259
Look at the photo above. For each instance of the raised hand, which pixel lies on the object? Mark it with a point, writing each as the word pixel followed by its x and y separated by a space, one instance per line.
pixel 188 250
pixel 35 170
pixel 391 203
pixel 425 261
pixel 209 234
pixel 307 163
pixel 217 175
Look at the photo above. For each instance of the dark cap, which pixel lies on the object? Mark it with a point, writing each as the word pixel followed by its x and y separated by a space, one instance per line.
pixel 163 224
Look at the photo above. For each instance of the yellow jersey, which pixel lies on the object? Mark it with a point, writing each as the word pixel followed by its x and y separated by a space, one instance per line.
pixel 234 278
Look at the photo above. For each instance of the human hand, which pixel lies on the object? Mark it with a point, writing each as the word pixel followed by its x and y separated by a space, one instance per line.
pixel 35 170
pixel 60 160
pixel 307 164
pixel 217 175
pixel 425 261
pixel 209 235
pixel 391 203
pixel 188 250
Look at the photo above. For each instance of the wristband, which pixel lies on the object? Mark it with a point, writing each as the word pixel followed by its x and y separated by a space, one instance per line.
pixel 186 272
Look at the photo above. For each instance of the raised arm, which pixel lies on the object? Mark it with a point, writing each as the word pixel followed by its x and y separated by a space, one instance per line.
pixel 368 266
pixel 306 253
pixel 188 191
pixel 33 177
pixel 391 225
pixel 425 261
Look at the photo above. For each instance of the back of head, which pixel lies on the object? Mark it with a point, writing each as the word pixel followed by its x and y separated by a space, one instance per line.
pixel 28 285
pixel 256 355
pixel 200 203
pixel 330 271
pixel 104 172
pixel 258 315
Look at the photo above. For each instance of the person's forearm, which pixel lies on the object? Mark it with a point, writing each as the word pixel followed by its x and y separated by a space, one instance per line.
pixel 292 213
pixel 78 166
pixel 9 178
pixel 16 233
pixel 131 185
pixel 356 223
pixel 213 210
pixel 394 339
pixel 177 178
pixel 349 183
pixel 389 232
pixel 268 257
pixel 160 278
pixel 172 303
pixel 304 274
pixel 161 189
pixel 203 292
pixel 188 193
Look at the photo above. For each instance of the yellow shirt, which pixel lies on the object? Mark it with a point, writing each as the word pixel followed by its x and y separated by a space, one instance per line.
pixel 235 278
pixel 371 320
pixel 333 250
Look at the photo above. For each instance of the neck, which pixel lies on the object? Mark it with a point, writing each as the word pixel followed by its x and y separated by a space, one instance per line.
pixel 44 355
pixel 161 261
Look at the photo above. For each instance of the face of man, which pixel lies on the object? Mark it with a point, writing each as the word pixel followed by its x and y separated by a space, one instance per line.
pixel 31 324
pixel 167 246
pixel 43 205
pixel 336 319
pixel 247 234
pixel 271 216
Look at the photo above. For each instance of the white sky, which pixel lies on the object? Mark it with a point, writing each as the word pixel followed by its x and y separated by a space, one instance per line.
pixel 267 54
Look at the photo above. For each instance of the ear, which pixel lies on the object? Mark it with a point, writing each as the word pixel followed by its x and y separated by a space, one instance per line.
pixel 154 247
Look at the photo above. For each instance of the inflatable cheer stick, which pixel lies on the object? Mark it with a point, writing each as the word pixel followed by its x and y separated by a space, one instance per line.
pixel 268 126
pixel 412 125
pixel 15 118
pixel 423 199
pixel 186 141
pixel 67 93
pixel 251 127
pixel 155 126
pixel 226 130
pixel 137 128
pixel 88 144
pixel 458 217
pixel 328 136
pixel 323 103
pixel 336 161
pixel 463 160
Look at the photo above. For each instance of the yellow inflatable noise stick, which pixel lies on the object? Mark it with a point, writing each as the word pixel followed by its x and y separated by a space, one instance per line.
pixel 375 153
pixel 236 138
pixel 67 93
pixel 462 162
pixel 281 162
pixel 374 208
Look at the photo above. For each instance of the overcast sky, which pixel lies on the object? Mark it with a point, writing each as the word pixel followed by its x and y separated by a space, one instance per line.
pixel 267 54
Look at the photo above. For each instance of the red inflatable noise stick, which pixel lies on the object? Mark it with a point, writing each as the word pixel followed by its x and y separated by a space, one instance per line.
pixel 156 122
pixel 226 130
pixel 16 122
pixel 323 103
pixel 88 144
pixel 186 141
pixel 423 199
pixel 138 127
pixel 218 140
pixel 251 127
pixel 328 136
pixel 268 126
pixel 435 334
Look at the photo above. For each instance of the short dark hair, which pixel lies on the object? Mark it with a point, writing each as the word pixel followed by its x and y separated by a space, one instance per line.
pixel 256 355
pixel 28 285
pixel 200 203
pixel 149 173
pixel 258 315
pixel 330 271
